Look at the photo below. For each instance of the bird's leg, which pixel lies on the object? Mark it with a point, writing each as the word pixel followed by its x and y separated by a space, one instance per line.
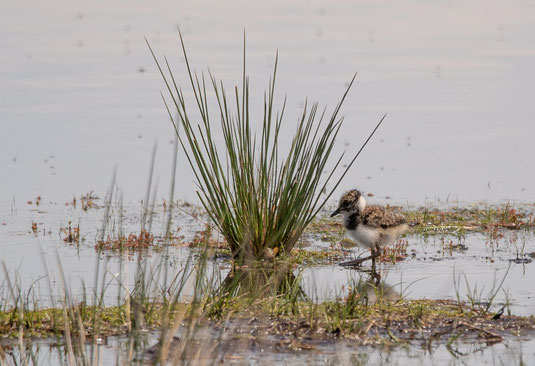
pixel 374 255
pixel 376 252
pixel 357 262
pixel 376 278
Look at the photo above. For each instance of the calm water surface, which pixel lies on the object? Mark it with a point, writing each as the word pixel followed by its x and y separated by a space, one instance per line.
pixel 79 92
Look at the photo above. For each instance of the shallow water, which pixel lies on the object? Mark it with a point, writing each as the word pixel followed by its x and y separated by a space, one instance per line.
pixel 437 273
pixel 430 271
pixel 32 259
pixel 436 267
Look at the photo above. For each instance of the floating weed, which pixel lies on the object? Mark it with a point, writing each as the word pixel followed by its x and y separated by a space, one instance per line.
pixel 72 234
pixel 326 229
pixel 144 240
pixel 449 247
pixel 86 205
pixel 89 196
pixel 206 238
pixel 316 257
pixel 73 202
pixel 87 201
pixel 395 253
pixel 37 201
pixel 494 233
pixel 173 238
pixel 458 220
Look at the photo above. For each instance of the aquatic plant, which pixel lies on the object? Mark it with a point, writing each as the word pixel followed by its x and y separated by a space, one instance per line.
pixel 258 199
pixel 131 242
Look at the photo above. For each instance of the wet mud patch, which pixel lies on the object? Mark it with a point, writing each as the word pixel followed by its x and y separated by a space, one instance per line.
pixel 424 324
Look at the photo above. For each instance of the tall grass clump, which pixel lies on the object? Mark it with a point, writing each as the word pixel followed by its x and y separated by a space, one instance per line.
pixel 258 199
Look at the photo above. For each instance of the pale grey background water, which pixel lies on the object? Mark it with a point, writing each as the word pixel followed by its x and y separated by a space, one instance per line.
pixel 79 92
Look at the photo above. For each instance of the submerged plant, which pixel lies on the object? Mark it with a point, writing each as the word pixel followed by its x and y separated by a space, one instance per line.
pixel 257 198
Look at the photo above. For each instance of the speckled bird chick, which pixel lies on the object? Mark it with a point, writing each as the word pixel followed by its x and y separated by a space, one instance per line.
pixel 373 227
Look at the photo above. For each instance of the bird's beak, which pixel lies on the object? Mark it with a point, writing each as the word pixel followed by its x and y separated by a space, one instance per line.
pixel 336 212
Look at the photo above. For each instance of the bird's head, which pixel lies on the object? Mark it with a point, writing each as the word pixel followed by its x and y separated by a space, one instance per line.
pixel 350 203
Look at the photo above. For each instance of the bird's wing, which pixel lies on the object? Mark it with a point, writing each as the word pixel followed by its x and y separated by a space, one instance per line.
pixel 377 216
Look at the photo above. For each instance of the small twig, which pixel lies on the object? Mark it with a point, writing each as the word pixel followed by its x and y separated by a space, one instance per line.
pixel 494 335
pixel 372 323
pixel 394 338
